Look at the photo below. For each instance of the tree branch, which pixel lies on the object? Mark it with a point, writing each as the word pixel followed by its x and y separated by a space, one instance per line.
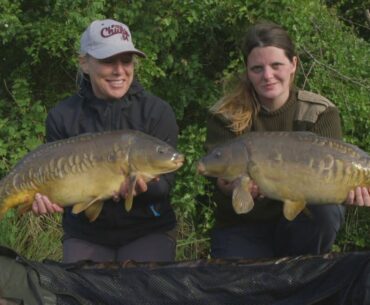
pixel 336 72
pixel 367 16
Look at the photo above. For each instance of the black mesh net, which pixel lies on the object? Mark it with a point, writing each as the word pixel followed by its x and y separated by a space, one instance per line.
pixel 330 279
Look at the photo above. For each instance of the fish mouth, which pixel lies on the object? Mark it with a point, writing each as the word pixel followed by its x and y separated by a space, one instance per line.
pixel 178 159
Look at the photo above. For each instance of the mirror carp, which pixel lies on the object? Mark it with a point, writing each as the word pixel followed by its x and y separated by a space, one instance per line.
pixel 297 168
pixel 85 170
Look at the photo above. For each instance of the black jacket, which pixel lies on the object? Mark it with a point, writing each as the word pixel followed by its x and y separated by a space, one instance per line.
pixel 139 110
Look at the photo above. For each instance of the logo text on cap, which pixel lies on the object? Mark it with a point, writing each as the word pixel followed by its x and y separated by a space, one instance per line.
pixel 113 30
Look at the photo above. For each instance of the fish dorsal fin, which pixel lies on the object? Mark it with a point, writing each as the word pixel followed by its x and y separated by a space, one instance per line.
pixel 292 208
pixel 242 198
pixel 130 196
pixel 93 211
pixel 82 206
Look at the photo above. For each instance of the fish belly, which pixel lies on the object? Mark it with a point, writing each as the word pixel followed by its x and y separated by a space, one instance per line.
pixel 83 187
pixel 299 182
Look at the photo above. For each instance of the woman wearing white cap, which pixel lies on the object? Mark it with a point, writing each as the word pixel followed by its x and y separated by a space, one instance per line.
pixel 110 98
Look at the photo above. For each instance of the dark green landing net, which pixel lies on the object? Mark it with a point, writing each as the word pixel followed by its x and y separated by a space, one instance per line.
pixel 330 279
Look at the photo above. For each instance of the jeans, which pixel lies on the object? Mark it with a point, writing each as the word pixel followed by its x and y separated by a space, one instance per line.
pixel 314 233
pixel 159 247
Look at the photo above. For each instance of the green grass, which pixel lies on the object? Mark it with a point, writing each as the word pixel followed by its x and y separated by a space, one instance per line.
pixel 354 235
pixel 36 238
pixel 39 238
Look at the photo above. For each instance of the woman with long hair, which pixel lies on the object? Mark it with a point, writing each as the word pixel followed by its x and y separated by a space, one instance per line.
pixel 266 99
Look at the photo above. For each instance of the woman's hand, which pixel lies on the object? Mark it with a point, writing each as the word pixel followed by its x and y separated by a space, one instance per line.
pixel 359 197
pixel 42 206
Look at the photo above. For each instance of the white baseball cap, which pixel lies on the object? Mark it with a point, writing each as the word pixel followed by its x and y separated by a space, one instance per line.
pixel 105 38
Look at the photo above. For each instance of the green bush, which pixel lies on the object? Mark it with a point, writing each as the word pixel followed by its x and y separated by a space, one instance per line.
pixel 191 198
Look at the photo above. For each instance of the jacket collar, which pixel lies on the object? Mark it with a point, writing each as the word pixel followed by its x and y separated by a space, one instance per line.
pixel 125 101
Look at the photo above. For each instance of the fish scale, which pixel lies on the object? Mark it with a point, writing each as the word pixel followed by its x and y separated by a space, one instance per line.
pixel 85 170
pixel 297 168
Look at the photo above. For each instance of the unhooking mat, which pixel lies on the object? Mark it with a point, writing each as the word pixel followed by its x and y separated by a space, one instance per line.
pixel 340 279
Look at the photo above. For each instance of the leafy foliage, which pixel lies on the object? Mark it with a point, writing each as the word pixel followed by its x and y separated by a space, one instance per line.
pixel 192 46
pixel 191 197
pixel 354 13
pixel 21 122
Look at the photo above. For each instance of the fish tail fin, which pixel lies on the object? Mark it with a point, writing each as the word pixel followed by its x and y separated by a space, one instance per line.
pixel 23 200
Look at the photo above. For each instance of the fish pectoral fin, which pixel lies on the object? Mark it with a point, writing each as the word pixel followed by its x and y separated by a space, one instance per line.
pixel 292 208
pixel 130 196
pixel 82 206
pixel 242 198
pixel 93 211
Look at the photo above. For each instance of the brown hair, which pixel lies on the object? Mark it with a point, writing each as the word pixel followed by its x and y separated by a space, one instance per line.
pixel 240 104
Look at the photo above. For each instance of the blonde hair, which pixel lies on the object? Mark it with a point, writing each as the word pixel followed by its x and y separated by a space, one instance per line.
pixel 240 104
